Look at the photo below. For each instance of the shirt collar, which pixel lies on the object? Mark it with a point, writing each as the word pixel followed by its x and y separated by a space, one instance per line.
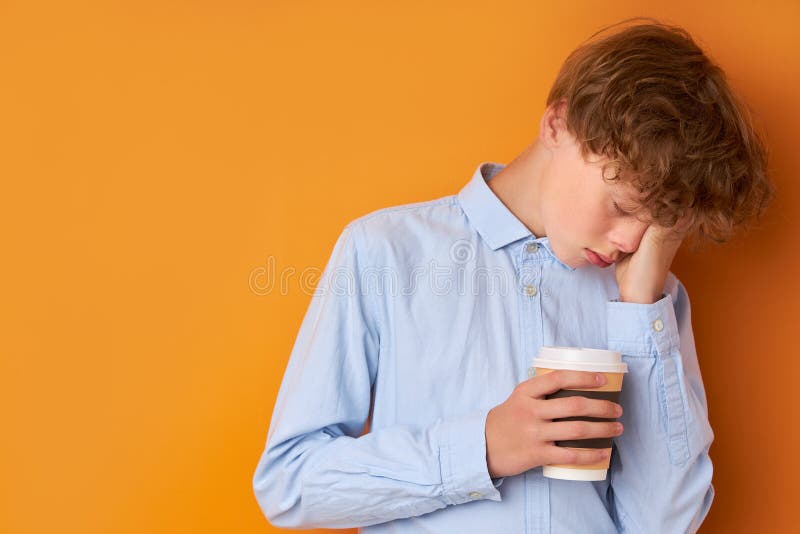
pixel 487 213
pixel 490 217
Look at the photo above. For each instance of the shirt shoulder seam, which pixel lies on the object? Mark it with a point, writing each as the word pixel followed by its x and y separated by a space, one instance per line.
pixel 450 199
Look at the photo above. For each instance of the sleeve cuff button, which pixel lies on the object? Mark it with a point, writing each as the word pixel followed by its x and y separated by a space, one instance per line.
pixel 475 495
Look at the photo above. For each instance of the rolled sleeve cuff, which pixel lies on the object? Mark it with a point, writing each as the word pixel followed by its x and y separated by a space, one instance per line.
pixel 636 329
pixel 465 473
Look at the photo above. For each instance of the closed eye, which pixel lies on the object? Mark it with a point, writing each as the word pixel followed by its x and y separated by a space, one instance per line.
pixel 621 211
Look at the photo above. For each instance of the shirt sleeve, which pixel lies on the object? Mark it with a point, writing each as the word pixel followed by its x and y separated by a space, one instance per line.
pixel 660 472
pixel 316 470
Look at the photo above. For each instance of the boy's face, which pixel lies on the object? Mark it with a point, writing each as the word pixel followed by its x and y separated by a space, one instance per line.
pixel 578 209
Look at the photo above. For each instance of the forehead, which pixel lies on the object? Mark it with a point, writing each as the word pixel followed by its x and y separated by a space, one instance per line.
pixel 619 181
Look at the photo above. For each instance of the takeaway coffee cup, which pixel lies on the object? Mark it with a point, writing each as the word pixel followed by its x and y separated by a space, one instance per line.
pixel 607 362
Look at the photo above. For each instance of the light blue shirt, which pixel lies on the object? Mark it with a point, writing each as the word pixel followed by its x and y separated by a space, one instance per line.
pixel 427 315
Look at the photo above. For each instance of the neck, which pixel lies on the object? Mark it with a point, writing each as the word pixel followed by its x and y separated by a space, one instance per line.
pixel 518 186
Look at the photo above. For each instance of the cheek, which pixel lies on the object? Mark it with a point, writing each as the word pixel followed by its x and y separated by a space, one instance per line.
pixel 592 222
pixel 575 218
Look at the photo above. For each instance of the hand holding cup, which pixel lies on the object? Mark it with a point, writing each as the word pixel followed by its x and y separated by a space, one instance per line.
pixel 521 433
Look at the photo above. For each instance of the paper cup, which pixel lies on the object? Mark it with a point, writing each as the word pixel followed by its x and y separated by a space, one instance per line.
pixel 607 362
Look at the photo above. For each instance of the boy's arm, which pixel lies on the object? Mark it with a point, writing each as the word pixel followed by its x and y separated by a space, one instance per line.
pixel 660 473
pixel 316 471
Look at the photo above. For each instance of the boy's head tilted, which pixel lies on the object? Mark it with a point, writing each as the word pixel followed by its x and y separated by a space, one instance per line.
pixel 641 128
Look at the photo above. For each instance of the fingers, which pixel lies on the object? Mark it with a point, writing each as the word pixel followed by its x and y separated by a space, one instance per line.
pixel 569 430
pixel 578 406
pixel 676 232
pixel 564 455
pixel 541 385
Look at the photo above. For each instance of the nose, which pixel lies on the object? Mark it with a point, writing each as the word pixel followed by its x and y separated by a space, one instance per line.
pixel 628 234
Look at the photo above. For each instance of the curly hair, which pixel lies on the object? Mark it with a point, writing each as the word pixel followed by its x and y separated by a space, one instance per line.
pixel 649 100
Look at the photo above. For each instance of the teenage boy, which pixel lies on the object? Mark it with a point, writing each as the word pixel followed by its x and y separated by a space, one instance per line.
pixel 428 315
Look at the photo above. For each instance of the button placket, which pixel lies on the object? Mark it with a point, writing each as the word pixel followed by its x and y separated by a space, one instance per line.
pixel 529 277
pixel 537 488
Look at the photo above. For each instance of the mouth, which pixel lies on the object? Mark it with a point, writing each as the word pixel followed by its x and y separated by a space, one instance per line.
pixel 596 259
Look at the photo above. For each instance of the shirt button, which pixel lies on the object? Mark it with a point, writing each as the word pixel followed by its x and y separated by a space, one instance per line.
pixel 532 247
pixel 530 290
pixel 475 495
pixel 531 371
pixel 658 325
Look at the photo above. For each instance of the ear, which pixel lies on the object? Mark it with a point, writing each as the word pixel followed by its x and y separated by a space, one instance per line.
pixel 553 125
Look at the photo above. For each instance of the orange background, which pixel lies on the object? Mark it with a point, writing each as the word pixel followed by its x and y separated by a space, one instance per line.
pixel 156 154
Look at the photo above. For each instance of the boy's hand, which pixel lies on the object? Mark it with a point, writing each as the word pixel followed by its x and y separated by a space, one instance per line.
pixel 641 276
pixel 520 433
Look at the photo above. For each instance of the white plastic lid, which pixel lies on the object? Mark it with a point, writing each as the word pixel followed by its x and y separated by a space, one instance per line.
pixel 551 471
pixel 580 359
